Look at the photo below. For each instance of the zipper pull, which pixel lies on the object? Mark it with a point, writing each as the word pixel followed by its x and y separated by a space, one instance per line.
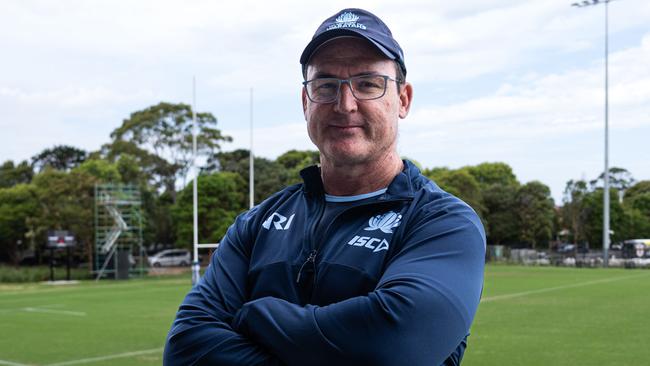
pixel 310 259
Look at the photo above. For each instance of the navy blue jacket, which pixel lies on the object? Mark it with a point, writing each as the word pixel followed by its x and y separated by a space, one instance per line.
pixel 396 281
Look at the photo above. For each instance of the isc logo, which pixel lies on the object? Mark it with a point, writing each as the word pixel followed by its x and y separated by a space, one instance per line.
pixel 371 243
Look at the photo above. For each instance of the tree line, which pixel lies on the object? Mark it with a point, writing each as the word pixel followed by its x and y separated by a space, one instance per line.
pixel 152 149
pixel 525 215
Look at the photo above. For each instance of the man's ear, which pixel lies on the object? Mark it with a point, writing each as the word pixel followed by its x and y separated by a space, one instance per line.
pixel 304 102
pixel 405 99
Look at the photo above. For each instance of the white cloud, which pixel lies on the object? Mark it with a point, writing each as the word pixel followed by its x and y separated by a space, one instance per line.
pixel 72 98
pixel 563 102
pixel 273 141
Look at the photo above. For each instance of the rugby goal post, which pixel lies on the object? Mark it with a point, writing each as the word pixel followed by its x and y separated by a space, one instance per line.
pixel 196 266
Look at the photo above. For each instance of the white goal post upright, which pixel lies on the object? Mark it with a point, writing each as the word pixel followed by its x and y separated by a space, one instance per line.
pixel 196 265
pixel 195 262
pixel 251 161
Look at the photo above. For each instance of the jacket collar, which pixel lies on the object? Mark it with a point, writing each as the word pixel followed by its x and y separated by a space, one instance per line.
pixel 401 187
pixel 313 184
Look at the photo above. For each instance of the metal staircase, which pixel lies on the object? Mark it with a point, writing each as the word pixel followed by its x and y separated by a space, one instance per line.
pixel 118 230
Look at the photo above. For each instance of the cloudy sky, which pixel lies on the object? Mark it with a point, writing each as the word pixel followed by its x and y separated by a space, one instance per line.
pixel 520 82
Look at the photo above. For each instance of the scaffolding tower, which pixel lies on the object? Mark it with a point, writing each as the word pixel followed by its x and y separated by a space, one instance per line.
pixel 118 231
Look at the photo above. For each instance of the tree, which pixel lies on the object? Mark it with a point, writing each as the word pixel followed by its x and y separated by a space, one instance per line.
pixel 636 224
pixel 270 176
pixel 461 184
pixel 17 204
pixel 499 186
pixel 491 189
pixel 165 131
pixel 502 217
pixel 583 208
pixel 573 211
pixel 221 201
pixel 129 171
pixel 536 209
pixel 231 161
pixel 436 172
pixel 101 170
pixel 66 202
pixel 593 210
pixel 11 174
pixel 299 159
pixel 148 171
pixel 60 157
pixel 157 217
pixel 296 160
pixel 641 202
pixel 487 174
pixel 637 211
pixel 640 187
pixel 619 179
pixel 638 197
pixel 152 169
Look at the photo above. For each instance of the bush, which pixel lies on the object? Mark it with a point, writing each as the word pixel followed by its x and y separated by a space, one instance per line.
pixel 39 273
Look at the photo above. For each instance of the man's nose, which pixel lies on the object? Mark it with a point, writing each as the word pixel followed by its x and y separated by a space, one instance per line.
pixel 346 102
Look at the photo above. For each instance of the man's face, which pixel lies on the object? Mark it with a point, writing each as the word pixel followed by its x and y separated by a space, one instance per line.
pixel 350 131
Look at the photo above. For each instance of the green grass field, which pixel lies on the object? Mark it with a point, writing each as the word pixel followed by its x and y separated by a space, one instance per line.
pixel 529 316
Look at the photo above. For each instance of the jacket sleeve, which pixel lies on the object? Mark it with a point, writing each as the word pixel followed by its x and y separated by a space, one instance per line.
pixel 420 311
pixel 201 333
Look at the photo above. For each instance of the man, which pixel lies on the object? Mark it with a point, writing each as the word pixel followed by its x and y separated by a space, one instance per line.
pixel 367 262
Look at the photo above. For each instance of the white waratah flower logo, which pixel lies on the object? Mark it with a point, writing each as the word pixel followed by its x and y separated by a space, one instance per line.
pixel 347 17
pixel 346 20
pixel 385 222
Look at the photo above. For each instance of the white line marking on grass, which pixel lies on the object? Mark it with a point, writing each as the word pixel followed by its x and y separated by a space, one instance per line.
pixel 104 358
pixel 9 363
pixel 52 311
pixel 26 309
pixel 549 289
pixel 139 286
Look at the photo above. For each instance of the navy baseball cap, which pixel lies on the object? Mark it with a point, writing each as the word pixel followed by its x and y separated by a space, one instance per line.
pixel 356 23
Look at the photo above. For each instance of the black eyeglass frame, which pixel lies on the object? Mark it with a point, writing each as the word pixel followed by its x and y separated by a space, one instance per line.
pixel 349 82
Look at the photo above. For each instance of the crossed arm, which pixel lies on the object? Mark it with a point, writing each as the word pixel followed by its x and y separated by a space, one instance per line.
pixel 201 333
pixel 419 312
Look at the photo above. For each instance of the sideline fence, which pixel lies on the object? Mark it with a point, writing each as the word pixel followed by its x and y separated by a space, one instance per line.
pixel 536 257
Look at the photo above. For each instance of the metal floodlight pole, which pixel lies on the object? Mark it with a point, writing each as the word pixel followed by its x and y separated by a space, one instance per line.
pixel 606 231
pixel 195 262
pixel 251 163
pixel 606 177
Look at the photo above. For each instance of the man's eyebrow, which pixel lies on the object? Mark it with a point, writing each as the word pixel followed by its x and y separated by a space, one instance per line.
pixel 320 74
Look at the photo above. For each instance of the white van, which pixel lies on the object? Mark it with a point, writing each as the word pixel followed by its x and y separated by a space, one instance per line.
pixel 636 248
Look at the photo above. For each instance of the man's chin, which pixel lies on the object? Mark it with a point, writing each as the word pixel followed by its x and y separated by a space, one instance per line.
pixel 346 156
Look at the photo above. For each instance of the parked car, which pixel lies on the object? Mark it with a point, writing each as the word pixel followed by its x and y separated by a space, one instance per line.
pixel 170 257
pixel 568 248
pixel 616 246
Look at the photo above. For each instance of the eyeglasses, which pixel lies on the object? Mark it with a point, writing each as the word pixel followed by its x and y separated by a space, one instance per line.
pixel 365 87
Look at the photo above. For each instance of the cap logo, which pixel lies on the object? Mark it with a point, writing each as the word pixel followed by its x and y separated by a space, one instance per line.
pixel 347 20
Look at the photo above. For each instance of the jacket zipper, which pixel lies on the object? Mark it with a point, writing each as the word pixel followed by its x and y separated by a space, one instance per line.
pixel 311 258
pixel 314 250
